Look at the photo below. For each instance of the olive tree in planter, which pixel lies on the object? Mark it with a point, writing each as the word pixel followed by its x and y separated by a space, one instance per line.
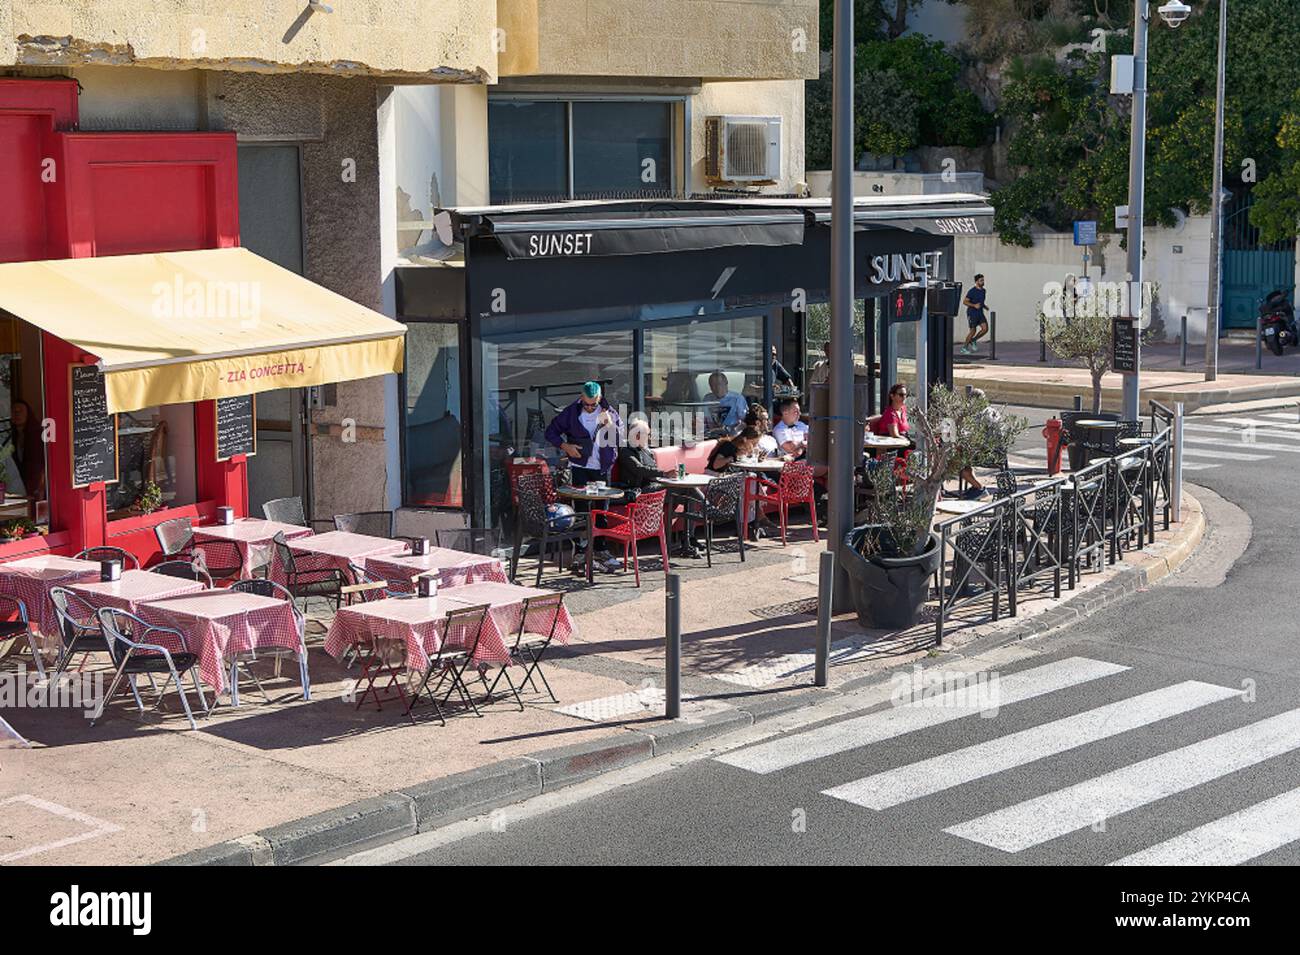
pixel 891 558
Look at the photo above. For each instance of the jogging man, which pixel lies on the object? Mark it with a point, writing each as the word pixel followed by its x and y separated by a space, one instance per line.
pixel 975 316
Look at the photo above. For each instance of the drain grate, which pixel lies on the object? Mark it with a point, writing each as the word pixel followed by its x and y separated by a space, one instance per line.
pixel 806 606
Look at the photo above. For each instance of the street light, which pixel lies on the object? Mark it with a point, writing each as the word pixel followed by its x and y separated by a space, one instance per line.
pixel 1174 13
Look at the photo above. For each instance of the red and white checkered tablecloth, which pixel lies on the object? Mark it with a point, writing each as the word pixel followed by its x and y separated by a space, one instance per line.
pixel 453 568
pixel 418 623
pixel 30 579
pixel 219 624
pixel 134 588
pixel 253 536
pixel 335 549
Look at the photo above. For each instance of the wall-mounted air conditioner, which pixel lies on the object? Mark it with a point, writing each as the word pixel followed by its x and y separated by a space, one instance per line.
pixel 742 149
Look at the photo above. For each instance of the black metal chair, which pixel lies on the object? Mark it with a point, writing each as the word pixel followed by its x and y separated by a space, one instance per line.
pixel 368 586
pixel 79 630
pixel 470 540
pixel 269 588
pixel 371 523
pixel 175 537
pixel 723 500
pixel 19 627
pixel 533 525
pixel 104 552
pixel 183 569
pixel 133 647
pixel 537 627
pixel 285 510
pixel 461 633
pixel 324 582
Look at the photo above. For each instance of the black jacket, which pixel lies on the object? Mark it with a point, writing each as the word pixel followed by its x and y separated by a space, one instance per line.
pixel 637 468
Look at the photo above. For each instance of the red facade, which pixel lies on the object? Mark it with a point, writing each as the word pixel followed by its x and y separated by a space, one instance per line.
pixel 75 195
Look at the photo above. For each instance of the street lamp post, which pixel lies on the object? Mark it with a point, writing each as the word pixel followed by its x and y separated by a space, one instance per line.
pixel 1212 319
pixel 1136 185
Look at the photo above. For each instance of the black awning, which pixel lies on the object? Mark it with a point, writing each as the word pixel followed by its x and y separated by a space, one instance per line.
pixel 642 232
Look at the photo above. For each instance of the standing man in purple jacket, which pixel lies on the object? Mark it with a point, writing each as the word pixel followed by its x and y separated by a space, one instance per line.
pixel 586 432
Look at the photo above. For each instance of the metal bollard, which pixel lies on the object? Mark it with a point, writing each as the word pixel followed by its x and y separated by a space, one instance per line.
pixel 825 594
pixel 673 648
pixel 1182 338
pixel 1042 339
pixel 993 335
pixel 1259 342
pixel 1176 491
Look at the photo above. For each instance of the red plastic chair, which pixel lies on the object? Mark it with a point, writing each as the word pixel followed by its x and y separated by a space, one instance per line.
pixel 642 520
pixel 794 487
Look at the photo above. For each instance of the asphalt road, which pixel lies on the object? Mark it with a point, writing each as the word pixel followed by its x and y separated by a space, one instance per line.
pixel 1167 725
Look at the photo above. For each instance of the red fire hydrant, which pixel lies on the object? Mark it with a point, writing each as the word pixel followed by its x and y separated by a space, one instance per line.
pixel 1053 434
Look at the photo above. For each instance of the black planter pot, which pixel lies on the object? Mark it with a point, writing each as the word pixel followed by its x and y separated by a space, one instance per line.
pixel 1077 455
pixel 888 592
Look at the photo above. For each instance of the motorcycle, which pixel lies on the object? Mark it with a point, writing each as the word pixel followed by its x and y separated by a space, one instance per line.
pixel 1277 322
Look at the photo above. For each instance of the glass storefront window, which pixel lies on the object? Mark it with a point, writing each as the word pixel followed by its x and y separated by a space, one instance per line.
pixel 155 445
pixel 432 429
pixel 701 376
pixel 528 150
pixel 22 450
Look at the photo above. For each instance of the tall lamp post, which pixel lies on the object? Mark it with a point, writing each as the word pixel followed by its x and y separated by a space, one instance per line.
pixel 1136 186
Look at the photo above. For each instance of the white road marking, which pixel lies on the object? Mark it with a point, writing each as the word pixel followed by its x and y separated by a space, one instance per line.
pixel 849 734
pixel 1035 821
pixel 1253 445
pixel 1246 435
pixel 96 827
pixel 928 776
pixel 1224 455
pixel 1290 423
pixel 1232 840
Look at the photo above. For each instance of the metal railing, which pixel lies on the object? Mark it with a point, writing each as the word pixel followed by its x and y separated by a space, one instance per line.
pixel 976 541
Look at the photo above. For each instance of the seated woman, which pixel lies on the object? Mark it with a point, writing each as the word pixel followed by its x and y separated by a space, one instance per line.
pixel 727 450
pixel 761 421
pixel 893 422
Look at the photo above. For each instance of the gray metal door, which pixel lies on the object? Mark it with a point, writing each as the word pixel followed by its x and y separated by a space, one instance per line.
pixel 1251 268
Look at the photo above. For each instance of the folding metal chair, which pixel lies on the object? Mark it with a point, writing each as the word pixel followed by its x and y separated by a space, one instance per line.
pixel 460 637
pixel 324 582
pixel 269 588
pixel 79 630
pixel 131 646
pixel 13 629
pixel 102 553
pixel 536 631
pixel 285 510
pixel 183 569
pixel 175 537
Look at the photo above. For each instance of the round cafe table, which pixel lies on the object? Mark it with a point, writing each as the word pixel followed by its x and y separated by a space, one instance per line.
pixel 882 442
pixel 1133 442
pixel 959 506
pixel 1098 423
pixel 585 494
pixel 761 465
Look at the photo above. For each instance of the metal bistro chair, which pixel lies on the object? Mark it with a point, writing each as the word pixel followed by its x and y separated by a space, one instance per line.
pixel 368 586
pixel 183 569
pixel 485 541
pixel 644 519
pixel 13 629
pixel 79 629
pixel 221 559
pixel 371 523
pixel 269 588
pixel 175 537
pixel 460 637
pixel 285 510
pixel 795 486
pixel 533 525
pixel 324 582
pixel 104 552
pixel 537 626
pixel 724 500
pixel 133 646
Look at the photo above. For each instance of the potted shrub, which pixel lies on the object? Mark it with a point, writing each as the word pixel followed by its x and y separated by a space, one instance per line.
pixel 150 498
pixel 17 529
pixel 891 558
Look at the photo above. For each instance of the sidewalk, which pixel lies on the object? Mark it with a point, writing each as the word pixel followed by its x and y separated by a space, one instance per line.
pixel 1017 377
pixel 315 778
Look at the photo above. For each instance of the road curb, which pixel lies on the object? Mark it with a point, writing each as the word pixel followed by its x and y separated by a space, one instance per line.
pixel 424 806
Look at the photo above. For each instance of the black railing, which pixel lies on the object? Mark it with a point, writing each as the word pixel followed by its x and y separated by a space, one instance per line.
pixel 976 541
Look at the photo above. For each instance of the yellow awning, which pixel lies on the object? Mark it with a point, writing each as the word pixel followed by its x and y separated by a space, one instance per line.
pixel 171 327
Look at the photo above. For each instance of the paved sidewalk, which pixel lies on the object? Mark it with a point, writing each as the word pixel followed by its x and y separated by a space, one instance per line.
pixel 316 778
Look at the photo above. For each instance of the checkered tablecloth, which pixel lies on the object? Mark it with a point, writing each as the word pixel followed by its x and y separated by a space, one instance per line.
pixel 219 624
pixel 254 539
pixel 134 588
pixel 453 568
pixel 30 579
pixel 334 549
pixel 418 623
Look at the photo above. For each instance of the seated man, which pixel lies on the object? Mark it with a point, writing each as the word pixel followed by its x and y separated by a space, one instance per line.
pixel 731 407
pixel 637 468
pixel 791 433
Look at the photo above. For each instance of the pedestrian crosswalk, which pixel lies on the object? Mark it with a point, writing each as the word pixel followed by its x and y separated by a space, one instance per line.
pixel 1239 836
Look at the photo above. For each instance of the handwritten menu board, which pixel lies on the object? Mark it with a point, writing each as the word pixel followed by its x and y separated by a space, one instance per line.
pixel 236 427
pixel 1124 336
pixel 94 430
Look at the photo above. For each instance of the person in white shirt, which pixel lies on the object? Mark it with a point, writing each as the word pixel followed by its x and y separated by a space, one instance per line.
pixel 791 433
pixel 761 421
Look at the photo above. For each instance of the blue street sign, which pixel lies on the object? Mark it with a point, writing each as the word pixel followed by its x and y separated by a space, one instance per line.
pixel 1085 233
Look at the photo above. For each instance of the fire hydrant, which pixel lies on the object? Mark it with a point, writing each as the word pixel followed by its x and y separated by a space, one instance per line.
pixel 1055 441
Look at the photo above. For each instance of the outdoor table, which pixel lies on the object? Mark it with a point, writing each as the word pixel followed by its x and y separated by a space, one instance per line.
pixel 688 482
pixel 761 465
pixel 30 579
pixel 452 568
pixel 688 487
pixel 417 623
pixel 1097 423
pixel 1133 442
pixel 254 538
pixel 221 624
pixel 336 549
pixel 959 507
pixel 883 442
pixel 135 587
pixel 604 495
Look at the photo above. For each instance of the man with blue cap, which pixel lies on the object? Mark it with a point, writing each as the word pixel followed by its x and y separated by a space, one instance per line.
pixel 586 433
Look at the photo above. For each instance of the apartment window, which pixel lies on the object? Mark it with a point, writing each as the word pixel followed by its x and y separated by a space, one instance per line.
pixel 548 149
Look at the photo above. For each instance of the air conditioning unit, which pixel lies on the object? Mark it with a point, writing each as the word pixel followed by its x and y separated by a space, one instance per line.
pixel 742 149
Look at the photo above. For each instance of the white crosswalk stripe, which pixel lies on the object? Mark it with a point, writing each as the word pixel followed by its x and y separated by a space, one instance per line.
pixel 1232 840
pixel 792 750
pixel 929 776
pixel 1218 455
pixel 1036 821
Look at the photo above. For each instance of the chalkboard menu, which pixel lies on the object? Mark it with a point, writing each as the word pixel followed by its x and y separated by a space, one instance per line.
pixel 1124 347
pixel 236 427
pixel 94 430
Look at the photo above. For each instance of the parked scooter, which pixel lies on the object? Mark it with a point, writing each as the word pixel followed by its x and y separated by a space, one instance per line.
pixel 1277 326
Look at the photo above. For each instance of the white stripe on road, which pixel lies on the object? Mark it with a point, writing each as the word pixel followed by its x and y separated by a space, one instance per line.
pixel 928 776
pixel 1290 424
pixel 1224 455
pixel 1093 801
pixel 1245 435
pixel 1283 415
pixel 1232 840
pixel 1189 466
pixel 1253 445
pixel 916 715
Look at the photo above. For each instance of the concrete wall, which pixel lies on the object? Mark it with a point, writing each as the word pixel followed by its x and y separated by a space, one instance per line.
pixel 722 39
pixel 448 41
pixel 784 98
pixel 1015 277
pixel 899 183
